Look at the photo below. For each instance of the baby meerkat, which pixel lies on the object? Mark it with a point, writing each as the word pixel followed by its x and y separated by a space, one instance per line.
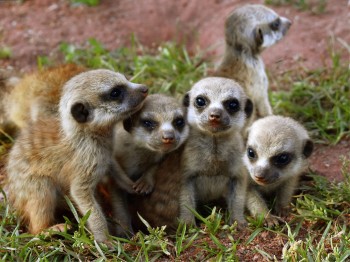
pixel 157 129
pixel 212 164
pixel 276 155
pixel 248 31
pixel 37 94
pixel 68 156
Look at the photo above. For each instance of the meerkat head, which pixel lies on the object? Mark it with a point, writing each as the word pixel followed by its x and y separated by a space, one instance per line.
pixel 251 28
pixel 217 105
pixel 160 125
pixel 97 99
pixel 277 149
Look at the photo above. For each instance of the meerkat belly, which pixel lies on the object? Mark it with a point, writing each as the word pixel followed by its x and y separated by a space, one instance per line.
pixel 210 187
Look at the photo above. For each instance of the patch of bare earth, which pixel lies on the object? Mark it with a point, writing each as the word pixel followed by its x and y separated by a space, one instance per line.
pixel 37 27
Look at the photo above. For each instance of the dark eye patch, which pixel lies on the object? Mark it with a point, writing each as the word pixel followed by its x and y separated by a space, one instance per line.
pixel 275 25
pixel 179 122
pixel 251 154
pixel 200 102
pixel 116 93
pixel 232 105
pixel 148 124
pixel 282 159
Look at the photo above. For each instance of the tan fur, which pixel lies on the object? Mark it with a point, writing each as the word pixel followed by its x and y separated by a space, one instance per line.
pixel 8 80
pixel 71 154
pixel 154 131
pixel 249 30
pixel 160 207
pixel 37 94
pixel 211 162
pixel 276 155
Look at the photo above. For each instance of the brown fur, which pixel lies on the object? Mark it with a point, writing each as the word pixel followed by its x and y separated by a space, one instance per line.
pixel 37 94
pixel 71 154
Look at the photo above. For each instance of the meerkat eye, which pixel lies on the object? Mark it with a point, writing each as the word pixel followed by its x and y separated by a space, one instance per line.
pixel 179 122
pixel 232 105
pixel 282 160
pixel 275 25
pixel 149 124
pixel 115 93
pixel 200 101
pixel 251 153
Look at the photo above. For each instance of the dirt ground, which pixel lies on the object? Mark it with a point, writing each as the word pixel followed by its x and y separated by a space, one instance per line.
pixel 37 27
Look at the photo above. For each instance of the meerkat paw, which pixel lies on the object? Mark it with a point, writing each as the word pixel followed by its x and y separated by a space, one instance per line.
pixel 272 221
pixel 57 228
pixel 241 223
pixel 282 211
pixel 143 186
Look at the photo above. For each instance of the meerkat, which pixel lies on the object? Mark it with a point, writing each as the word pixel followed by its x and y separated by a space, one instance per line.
pixel 35 95
pixel 147 136
pixel 211 163
pixel 276 155
pixel 69 155
pixel 248 31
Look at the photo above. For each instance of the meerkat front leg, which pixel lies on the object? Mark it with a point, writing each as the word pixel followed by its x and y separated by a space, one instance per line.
pixel 121 178
pixel 263 107
pixel 236 195
pixel 257 206
pixel 283 197
pixel 187 202
pixel 145 184
pixel 83 194
pixel 119 210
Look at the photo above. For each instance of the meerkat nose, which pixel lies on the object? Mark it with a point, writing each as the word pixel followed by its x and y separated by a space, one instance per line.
pixel 214 116
pixel 168 137
pixel 144 90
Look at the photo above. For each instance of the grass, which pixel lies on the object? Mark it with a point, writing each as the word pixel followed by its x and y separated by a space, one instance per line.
pixel 318 228
pixel 315 6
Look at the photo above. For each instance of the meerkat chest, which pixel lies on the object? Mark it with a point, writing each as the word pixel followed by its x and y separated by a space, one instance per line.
pixel 257 78
pixel 211 187
pixel 211 157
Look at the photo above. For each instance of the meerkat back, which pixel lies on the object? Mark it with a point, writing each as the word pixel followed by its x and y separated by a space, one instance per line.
pixel 37 94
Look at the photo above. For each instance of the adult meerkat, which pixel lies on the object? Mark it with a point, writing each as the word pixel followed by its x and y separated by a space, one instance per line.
pixel 212 164
pixel 70 155
pixel 276 154
pixel 248 31
pixel 154 131
pixel 37 94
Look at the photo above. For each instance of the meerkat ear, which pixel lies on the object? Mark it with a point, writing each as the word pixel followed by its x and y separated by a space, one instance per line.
pixel 80 112
pixel 186 100
pixel 248 109
pixel 308 148
pixel 259 36
pixel 127 124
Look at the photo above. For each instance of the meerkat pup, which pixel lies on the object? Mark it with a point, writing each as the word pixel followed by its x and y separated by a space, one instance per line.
pixel 248 31
pixel 157 129
pixel 212 164
pixel 69 156
pixel 276 154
